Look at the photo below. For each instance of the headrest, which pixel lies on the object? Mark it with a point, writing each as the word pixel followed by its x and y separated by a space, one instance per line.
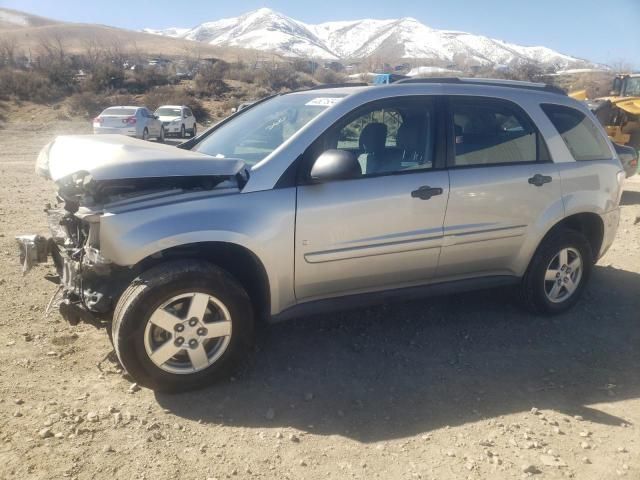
pixel 408 137
pixel 373 137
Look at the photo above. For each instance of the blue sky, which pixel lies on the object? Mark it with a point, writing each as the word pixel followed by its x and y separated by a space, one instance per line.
pixel 604 31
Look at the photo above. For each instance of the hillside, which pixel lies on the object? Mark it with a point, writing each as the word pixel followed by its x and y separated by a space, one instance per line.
pixel 10 19
pixel 28 32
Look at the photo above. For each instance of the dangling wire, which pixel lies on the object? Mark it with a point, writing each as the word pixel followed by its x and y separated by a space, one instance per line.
pixel 51 301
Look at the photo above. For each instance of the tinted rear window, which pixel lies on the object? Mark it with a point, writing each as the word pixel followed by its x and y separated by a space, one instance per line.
pixel 580 134
pixel 119 111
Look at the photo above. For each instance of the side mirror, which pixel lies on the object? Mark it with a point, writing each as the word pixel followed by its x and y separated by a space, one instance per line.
pixel 335 165
pixel 156 117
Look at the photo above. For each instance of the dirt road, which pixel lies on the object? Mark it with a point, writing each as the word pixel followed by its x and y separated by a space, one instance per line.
pixel 465 386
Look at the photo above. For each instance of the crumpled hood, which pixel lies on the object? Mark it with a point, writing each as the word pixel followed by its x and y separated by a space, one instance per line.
pixel 113 157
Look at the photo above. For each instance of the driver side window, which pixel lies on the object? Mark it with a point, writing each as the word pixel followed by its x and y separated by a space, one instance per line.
pixel 386 136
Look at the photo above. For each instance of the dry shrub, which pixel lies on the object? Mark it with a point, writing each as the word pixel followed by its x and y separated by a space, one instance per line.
pixel 241 73
pixel 32 86
pixel 86 104
pixel 326 75
pixel 209 81
pixel 282 77
pixel 89 104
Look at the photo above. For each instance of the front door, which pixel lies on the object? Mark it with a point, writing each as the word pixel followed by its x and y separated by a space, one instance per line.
pixel 381 230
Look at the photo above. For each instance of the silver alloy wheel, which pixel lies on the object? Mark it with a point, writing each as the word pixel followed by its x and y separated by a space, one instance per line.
pixel 187 333
pixel 563 275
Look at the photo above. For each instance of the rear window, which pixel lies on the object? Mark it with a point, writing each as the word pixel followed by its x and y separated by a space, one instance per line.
pixel 119 111
pixel 580 134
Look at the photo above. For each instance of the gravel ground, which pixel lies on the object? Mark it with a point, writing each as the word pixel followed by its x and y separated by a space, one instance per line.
pixel 463 386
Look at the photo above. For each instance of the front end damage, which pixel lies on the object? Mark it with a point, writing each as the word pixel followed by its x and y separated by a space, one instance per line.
pixel 91 284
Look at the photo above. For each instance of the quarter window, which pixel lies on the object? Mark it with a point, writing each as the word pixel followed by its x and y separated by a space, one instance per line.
pixel 493 132
pixel 580 135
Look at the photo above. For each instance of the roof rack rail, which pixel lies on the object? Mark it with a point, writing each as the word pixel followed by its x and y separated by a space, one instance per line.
pixel 494 82
pixel 337 85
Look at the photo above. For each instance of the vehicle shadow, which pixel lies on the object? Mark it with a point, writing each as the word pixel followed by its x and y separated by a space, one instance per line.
pixel 407 368
pixel 630 197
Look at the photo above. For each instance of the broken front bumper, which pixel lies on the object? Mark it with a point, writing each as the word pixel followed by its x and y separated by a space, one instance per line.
pixel 89 291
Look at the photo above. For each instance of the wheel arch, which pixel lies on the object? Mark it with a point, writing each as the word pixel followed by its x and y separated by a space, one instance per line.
pixel 589 224
pixel 243 264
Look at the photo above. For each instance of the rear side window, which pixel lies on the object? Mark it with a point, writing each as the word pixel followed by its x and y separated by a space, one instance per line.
pixel 488 131
pixel 580 135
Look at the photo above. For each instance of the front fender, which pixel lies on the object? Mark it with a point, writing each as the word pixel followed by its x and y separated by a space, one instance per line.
pixel 262 222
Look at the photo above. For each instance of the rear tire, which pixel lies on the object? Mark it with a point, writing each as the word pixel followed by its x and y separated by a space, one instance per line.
pixel 558 273
pixel 155 339
pixel 194 130
pixel 161 137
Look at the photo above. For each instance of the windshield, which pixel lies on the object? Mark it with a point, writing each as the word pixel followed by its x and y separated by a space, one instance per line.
pixel 258 131
pixel 168 112
pixel 632 88
pixel 119 111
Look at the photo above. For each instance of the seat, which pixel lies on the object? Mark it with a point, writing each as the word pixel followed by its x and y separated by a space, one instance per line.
pixel 372 143
pixel 408 149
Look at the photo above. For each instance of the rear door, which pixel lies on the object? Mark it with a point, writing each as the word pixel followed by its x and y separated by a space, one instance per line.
pixel 502 183
pixel 381 230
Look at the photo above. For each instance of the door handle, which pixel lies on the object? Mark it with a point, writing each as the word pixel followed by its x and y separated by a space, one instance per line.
pixel 539 180
pixel 426 192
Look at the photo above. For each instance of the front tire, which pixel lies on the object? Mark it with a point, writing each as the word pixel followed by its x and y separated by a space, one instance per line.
pixel 181 325
pixel 558 273
pixel 145 134
pixel 183 133
pixel 161 137
pixel 194 130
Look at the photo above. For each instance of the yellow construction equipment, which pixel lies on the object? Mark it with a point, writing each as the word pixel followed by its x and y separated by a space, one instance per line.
pixel 619 113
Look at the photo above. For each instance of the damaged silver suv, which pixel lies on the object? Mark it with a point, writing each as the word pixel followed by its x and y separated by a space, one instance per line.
pixel 324 199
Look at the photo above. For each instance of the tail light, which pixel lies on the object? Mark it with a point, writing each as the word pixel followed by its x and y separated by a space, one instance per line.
pixel 98 120
pixel 129 120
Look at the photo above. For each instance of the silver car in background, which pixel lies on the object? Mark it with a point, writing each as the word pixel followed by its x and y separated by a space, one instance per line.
pixel 136 122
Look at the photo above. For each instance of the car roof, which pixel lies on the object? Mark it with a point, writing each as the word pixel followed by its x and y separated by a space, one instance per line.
pixel 172 106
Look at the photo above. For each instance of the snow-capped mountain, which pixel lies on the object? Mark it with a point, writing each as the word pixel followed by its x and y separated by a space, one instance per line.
pixel 167 32
pixel 265 29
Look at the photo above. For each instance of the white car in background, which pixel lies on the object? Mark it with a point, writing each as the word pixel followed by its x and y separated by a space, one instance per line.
pixel 136 122
pixel 177 120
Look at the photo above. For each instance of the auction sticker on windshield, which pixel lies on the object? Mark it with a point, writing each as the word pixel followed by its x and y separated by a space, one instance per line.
pixel 323 101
